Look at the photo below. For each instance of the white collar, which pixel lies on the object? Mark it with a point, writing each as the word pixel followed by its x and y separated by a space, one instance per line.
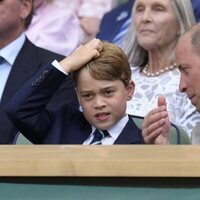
pixel 117 128
pixel 10 52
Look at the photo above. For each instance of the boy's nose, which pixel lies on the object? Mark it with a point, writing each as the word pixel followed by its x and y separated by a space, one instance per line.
pixel 99 102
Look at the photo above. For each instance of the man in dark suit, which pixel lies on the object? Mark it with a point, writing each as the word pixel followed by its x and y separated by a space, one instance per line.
pixel 21 59
pixel 114 24
pixel 196 8
pixel 102 76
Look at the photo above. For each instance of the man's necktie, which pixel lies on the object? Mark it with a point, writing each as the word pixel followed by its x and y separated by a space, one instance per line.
pixel 98 136
pixel 2 60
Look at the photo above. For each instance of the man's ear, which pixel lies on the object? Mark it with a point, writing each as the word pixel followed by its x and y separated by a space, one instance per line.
pixel 130 90
pixel 26 7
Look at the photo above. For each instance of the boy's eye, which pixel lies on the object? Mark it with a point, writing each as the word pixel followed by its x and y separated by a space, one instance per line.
pixel 109 92
pixel 86 96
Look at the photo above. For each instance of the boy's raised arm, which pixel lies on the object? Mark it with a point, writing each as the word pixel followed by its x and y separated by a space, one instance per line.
pixel 82 55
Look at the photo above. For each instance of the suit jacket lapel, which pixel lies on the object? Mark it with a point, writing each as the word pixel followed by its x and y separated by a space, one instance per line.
pixel 24 67
pixel 131 134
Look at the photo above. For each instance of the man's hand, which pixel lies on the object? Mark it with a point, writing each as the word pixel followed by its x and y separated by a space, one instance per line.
pixel 82 55
pixel 156 125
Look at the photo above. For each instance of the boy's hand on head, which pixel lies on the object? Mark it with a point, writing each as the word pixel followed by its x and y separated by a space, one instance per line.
pixel 82 55
pixel 156 125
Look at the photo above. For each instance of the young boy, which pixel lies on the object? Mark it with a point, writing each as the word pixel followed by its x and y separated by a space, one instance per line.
pixel 103 81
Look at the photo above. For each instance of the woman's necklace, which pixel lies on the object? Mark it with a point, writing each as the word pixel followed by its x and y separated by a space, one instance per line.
pixel 158 72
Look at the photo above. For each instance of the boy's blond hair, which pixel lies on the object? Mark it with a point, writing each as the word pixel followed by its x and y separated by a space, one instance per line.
pixel 112 64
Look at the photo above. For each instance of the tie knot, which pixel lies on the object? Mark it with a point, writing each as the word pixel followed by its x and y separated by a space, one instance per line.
pixel 98 136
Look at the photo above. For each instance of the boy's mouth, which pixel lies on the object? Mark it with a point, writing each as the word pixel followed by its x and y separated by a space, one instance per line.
pixel 102 116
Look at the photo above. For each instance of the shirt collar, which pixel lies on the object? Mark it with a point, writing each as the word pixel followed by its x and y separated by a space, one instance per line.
pixel 117 128
pixel 10 52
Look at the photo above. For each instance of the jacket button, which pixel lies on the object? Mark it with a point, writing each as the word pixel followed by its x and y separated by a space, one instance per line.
pixel 34 83
pixel 45 72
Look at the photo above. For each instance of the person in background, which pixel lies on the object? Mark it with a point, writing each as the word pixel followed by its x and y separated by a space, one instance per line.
pixel 115 23
pixel 90 13
pixel 62 25
pixel 196 8
pixel 150 47
pixel 20 59
pixel 55 27
pixel 103 83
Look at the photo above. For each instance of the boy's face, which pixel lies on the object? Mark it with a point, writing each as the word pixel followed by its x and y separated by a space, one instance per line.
pixel 103 102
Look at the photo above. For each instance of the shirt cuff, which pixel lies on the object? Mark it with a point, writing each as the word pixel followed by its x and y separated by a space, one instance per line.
pixel 56 64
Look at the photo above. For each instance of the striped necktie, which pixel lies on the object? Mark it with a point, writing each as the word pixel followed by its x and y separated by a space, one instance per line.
pixel 98 136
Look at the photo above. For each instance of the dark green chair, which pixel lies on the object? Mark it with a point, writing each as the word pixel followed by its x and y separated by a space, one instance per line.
pixel 177 134
pixel 20 139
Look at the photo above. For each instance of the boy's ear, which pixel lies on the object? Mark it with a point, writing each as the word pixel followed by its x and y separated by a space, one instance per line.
pixel 130 90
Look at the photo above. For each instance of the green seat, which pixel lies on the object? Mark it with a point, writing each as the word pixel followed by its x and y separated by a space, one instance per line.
pixel 177 134
pixel 20 139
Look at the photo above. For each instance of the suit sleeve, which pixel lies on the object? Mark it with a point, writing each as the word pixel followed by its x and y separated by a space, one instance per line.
pixel 28 108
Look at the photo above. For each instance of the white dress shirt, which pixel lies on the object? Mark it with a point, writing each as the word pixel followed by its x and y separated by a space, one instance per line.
pixel 114 132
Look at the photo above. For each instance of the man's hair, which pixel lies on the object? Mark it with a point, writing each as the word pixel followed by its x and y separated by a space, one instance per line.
pixel 136 54
pixel 112 64
pixel 195 38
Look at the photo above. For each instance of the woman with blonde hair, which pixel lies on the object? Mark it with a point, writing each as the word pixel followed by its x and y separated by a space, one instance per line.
pixel 150 47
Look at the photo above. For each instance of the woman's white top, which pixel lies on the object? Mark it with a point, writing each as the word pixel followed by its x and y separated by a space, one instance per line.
pixel 147 90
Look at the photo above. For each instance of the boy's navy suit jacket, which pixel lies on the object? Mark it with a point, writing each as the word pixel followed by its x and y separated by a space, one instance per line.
pixel 28 61
pixel 64 126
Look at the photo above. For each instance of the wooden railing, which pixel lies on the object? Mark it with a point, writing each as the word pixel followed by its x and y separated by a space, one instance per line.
pixel 100 161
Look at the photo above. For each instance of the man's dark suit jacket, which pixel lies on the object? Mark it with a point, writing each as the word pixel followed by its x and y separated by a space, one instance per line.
pixel 196 8
pixel 28 61
pixel 64 126
pixel 113 20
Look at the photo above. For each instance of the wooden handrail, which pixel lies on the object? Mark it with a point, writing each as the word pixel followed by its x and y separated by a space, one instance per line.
pixel 100 161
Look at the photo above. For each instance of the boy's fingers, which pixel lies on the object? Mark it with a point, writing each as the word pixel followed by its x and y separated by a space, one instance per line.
pixel 97 54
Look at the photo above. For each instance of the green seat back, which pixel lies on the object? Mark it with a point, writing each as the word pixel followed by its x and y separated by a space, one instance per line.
pixel 177 134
